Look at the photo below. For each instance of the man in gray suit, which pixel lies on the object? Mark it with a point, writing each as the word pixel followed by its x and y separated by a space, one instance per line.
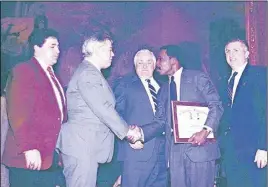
pixel 191 164
pixel 87 139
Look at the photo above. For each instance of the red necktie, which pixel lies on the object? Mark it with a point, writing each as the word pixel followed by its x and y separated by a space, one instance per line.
pixel 54 79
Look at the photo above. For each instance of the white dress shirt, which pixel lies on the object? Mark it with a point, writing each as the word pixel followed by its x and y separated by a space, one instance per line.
pixel 237 78
pixel 56 91
pixel 177 80
pixel 155 85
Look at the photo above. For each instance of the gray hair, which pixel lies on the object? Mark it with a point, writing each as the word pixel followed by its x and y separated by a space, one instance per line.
pixel 88 45
pixel 144 51
pixel 95 39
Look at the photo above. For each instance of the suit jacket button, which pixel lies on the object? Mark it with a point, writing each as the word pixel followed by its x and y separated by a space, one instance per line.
pixel 58 118
pixel 163 133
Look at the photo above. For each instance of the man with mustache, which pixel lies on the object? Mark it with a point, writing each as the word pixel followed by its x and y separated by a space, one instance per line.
pixel 191 164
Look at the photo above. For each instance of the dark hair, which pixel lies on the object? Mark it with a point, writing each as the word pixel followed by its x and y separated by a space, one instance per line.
pixel 238 36
pixel 238 40
pixel 38 37
pixel 172 51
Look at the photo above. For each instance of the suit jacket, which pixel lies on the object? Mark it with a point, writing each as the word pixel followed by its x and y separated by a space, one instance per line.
pixel 195 87
pixel 92 118
pixel 33 113
pixel 248 116
pixel 133 104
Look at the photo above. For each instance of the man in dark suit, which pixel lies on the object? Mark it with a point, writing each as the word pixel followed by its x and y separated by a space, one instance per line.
pixel 191 164
pixel 136 103
pixel 243 136
pixel 36 108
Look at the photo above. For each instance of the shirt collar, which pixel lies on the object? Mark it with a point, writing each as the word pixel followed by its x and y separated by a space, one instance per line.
pixel 96 66
pixel 144 79
pixel 240 70
pixel 177 74
pixel 87 60
pixel 42 63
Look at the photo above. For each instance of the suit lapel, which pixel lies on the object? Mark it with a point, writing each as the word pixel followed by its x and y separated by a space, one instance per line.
pixel 165 97
pixel 242 83
pixel 183 84
pixel 43 75
pixel 136 81
pixel 46 81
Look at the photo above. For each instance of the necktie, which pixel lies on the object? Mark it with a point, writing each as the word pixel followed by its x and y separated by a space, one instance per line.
pixel 54 79
pixel 173 97
pixel 173 89
pixel 153 92
pixel 230 88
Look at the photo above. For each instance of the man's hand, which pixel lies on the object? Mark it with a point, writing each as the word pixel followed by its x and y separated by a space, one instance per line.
pixel 134 134
pixel 261 158
pixel 33 159
pixel 137 145
pixel 199 138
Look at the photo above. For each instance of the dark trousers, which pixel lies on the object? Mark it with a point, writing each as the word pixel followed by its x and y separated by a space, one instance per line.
pixel 243 172
pixel 186 173
pixel 52 177
pixel 239 166
pixel 150 173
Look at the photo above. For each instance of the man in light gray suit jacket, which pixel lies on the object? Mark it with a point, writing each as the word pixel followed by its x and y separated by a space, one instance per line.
pixel 87 139
pixel 191 164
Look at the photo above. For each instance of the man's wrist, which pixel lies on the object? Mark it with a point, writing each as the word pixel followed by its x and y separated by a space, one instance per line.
pixel 142 135
pixel 207 128
pixel 28 151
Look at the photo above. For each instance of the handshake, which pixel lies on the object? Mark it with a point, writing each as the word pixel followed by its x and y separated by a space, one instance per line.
pixel 134 134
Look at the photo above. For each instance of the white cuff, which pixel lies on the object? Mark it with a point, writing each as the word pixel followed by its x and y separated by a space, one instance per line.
pixel 209 128
pixel 142 135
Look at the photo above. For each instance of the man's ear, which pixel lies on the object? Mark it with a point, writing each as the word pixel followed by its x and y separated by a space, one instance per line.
pixel 174 61
pixel 36 47
pixel 95 48
pixel 247 54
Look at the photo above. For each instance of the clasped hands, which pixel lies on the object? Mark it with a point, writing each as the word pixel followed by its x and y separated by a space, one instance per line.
pixel 135 137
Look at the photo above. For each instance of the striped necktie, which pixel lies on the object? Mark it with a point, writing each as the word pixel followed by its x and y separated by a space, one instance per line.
pixel 56 83
pixel 153 92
